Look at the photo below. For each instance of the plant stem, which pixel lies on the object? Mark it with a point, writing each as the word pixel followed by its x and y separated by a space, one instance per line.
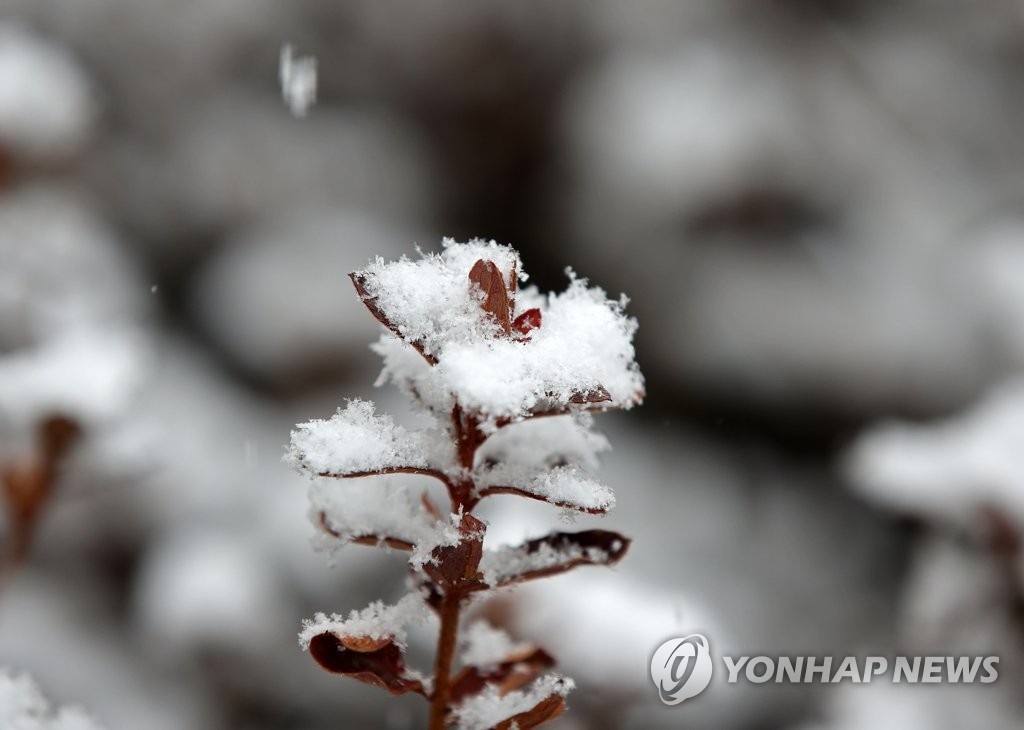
pixel 450 607
pixel 467 437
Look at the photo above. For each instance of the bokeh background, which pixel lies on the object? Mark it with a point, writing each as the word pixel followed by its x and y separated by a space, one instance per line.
pixel 816 208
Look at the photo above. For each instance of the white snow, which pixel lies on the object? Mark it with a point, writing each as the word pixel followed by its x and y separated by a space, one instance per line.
pixel 356 440
pixel 431 300
pixel 376 621
pixel 376 507
pixel 298 81
pixel 404 367
pixel 46 103
pixel 23 707
pixel 87 374
pixel 488 708
pixel 546 442
pixel 585 341
pixel 444 534
pixel 545 457
pixel 951 469
pixel 368 507
pixel 484 645
pixel 505 563
pixel 565 486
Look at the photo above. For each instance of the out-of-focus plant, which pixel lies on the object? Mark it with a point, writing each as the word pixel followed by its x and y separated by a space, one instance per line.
pixel 483 362
pixel 23 707
pixel 28 486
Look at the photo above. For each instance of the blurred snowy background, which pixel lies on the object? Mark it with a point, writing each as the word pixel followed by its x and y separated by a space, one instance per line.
pixel 817 209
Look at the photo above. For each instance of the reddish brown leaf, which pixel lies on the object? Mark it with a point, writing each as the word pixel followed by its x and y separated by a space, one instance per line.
pixel 527 321
pixel 380 664
pixel 370 302
pixel 453 566
pixel 547 709
pixel 594 547
pixel 487 276
pixel 515 671
pixel 594 395
pixel 364 644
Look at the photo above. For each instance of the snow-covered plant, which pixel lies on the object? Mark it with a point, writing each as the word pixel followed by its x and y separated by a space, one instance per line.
pixel 481 360
pixel 23 707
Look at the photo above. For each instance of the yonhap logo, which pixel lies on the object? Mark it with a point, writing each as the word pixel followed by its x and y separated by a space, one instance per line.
pixel 681 668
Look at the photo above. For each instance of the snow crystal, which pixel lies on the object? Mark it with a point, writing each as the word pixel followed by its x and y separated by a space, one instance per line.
pixel 431 301
pixel 376 621
pixel 23 707
pixel 86 374
pixel 585 341
pixel 368 507
pixel 505 563
pixel 46 105
pixel 484 645
pixel 540 457
pixel 565 486
pixel 444 534
pixel 298 81
pixel 546 442
pixel 490 707
pixel 950 469
pixel 375 507
pixel 20 698
pixel 407 369
pixel 356 440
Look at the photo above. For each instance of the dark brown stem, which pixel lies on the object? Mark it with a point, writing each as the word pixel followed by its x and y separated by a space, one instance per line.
pixel 450 608
pixel 468 437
